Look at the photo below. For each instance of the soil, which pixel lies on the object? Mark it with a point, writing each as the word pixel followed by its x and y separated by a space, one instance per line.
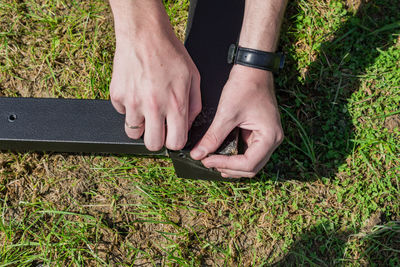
pixel 392 123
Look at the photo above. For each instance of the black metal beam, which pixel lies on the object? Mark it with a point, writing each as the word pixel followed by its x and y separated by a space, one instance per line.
pixel 65 125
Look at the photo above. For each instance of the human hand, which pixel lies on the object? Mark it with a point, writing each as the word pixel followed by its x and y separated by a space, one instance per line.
pixel 247 102
pixel 154 80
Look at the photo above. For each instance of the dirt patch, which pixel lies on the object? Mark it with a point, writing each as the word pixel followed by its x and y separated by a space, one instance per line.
pixel 354 4
pixel 392 123
pixel 373 220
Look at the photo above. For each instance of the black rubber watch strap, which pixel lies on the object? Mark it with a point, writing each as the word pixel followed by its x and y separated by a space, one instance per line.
pixel 255 58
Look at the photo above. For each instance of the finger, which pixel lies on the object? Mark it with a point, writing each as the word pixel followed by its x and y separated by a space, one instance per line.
pixel 116 96
pixel 236 174
pixel 225 175
pixel 154 131
pixel 120 108
pixel 215 135
pixel 134 124
pixel 176 131
pixel 255 157
pixel 194 100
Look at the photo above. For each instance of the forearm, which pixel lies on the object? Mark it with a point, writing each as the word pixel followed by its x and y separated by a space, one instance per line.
pixel 134 19
pixel 155 82
pixel 261 24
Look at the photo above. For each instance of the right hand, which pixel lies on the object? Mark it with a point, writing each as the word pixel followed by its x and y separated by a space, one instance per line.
pixel 154 82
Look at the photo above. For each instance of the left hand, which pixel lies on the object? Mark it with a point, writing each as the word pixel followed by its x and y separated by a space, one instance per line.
pixel 248 102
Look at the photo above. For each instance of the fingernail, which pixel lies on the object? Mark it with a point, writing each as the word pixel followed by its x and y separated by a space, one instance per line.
pixel 198 153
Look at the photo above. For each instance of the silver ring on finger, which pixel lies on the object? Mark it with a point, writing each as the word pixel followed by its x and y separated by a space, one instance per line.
pixel 134 127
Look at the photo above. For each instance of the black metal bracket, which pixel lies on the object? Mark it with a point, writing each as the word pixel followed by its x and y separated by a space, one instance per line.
pixel 93 126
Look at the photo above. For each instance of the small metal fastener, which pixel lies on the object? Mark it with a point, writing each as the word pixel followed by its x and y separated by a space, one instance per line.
pixel 12 118
pixel 232 53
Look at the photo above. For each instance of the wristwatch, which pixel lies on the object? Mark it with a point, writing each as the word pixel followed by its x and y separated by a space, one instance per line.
pixel 255 58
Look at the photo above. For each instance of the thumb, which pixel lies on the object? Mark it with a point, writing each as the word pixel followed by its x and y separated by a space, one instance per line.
pixel 214 137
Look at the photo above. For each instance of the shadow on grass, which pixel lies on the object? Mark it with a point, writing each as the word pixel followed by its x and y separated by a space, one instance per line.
pixel 321 246
pixel 319 129
pixel 317 124
pixel 382 246
pixel 324 245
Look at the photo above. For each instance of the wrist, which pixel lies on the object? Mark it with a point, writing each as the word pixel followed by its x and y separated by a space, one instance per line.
pixel 135 20
pixel 257 42
pixel 250 74
pixel 254 82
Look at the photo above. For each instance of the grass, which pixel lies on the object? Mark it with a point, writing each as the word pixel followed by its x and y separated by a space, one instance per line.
pixel 329 195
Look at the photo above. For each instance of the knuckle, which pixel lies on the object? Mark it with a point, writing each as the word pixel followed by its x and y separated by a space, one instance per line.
pixel 221 165
pixel 132 105
pixel 280 136
pixel 190 71
pixel 226 114
pixel 181 108
pixel 153 103
pixel 183 73
pixel 186 74
pixel 196 75
pixel 271 140
pixel 116 96
pixel 197 108
pixel 178 103
pixel 211 138
pixel 223 111
pixel 132 102
pixel 250 167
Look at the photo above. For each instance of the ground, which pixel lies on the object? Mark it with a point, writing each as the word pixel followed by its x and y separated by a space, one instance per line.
pixel 328 196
